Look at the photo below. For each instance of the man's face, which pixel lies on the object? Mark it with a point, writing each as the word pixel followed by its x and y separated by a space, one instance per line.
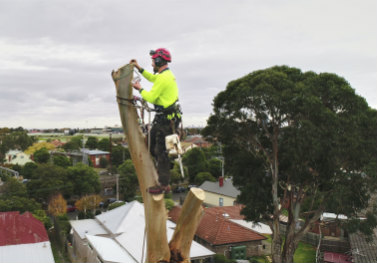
pixel 155 68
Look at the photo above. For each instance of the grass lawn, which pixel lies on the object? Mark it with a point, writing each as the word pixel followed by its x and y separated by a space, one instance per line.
pixel 304 253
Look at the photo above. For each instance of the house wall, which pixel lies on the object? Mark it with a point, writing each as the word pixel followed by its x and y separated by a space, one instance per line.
pixel 19 158
pixel 253 248
pixel 82 252
pixel 81 249
pixel 95 159
pixel 213 199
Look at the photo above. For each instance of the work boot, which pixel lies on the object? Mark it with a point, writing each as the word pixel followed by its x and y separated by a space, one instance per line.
pixel 159 189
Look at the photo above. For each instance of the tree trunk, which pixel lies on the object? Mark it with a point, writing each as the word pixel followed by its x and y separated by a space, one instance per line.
pixel 187 224
pixel 276 238
pixel 276 242
pixel 290 240
pixel 154 205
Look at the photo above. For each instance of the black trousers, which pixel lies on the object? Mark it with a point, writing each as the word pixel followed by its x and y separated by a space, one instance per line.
pixel 161 128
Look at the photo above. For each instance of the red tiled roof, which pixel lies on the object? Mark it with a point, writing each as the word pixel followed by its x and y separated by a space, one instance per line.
pixel 18 229
pixel 216 229
pixel 57 143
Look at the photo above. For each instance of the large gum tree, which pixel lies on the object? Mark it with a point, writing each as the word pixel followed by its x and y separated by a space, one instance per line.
pixel 299 141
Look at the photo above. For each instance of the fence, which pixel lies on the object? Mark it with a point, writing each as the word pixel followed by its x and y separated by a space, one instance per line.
pixel 327 244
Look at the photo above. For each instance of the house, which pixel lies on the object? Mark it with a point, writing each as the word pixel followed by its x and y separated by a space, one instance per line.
pixel 17 157
pixel 23 238
pixel 194 141
pixel 95 156
pixel 329 225
pixel 219 233
pixel 221 193
pixel 57 143
pixel 118 236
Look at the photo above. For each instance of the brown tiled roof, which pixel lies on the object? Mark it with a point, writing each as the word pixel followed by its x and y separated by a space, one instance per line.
pixel 216 228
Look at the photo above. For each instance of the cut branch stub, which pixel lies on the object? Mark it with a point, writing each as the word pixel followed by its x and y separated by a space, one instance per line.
pixel 187 224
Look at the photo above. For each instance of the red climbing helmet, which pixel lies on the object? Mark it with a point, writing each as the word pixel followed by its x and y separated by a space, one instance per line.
pixel 161 52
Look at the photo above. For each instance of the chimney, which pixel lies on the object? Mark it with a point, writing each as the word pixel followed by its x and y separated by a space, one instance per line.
pixel 221 181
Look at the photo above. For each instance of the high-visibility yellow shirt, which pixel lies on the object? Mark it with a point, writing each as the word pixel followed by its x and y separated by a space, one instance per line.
pixel 164 91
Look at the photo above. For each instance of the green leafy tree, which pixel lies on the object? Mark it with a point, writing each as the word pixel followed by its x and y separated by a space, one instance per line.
pixel 27 169
pixel 13 139
pixel 169 203
pixel 119 154
pixel 85 179
pixel 17 203
pixel 215 167
pixel 13 187
pixel 128 183
pixel 17 167
pixel 42 216
pixel 115 205
pixel 305 138
pixel 175 173
pixel 104 144
pixel 204 176
pixel 41 156
pixel 48 180
pixel 91 143
pixel 103 162
pixel 62 161
pixel 75 143
pixel 196 162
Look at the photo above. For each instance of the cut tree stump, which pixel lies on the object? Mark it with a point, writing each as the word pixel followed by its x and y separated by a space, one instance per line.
pixel 158 249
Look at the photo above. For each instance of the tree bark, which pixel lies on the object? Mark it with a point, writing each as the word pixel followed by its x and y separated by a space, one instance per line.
pixel 276 238
pixel 187 224
pixel 154 205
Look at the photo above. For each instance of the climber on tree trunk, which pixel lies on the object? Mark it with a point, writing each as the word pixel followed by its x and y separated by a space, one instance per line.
pixel 164 96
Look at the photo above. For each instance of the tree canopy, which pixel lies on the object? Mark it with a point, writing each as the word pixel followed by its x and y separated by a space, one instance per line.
pixel 91 142
pixel 85 179
pixel 42 155
pixel 301 137
pixel 48 180
pixel 128 183
pixel 14 139
pixel 195 161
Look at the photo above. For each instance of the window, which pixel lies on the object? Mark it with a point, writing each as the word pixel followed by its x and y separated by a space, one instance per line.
pixel 221 201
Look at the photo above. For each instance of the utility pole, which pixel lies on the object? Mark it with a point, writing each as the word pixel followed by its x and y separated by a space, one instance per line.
pixel 117 185
pixel 111 151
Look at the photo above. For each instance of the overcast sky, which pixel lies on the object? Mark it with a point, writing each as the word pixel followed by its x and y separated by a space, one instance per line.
pixel 56 56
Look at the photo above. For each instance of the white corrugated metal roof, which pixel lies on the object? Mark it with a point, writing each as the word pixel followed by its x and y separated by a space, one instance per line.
pixel 128 221
pixel 118 220
pixel 87 227
pixel 31 253
pixel 93 152
pixel 327 215
pixel 132 238
pixel 259 227
pixel 109 250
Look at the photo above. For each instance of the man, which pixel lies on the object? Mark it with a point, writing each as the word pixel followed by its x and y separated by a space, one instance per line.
pixel 164 96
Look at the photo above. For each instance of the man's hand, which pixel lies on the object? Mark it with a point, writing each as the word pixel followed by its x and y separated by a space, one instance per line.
pixel 137 85
pixel 134 62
